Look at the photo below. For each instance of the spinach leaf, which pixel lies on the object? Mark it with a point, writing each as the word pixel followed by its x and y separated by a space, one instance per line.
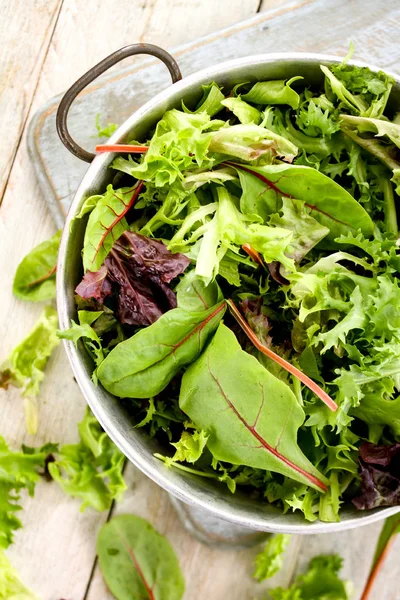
pixel 274 92
pixel 137 562
pixel 11 586
pixel 25 366
pixel 90 470
pixel 35 277
pixel 106 224
pixel 329 203
pixel 261 415
pixel 143 365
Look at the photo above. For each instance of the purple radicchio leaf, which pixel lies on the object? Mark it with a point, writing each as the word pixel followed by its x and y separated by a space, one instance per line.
pixel 380 476
pixel 136 272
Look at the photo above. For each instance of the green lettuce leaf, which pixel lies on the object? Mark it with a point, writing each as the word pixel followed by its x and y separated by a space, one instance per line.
pixel 180 142
pixel 274 92
pixel 90 470
pixel 251 142
pixel 210 103
pixel 320 582
pixel 270 560
pixel 242 110
pixel 105 130
pixel 11 586
pixel 18 471
pixel 25 366
pixel 35 277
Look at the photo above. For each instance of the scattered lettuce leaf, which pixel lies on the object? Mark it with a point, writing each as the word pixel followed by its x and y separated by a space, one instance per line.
pixel 270 560
pixel 90 470
pixel 11 586
pixel 25 366
pixel 320 582
pixel 35 277
pixel 18 471
pixel 106 130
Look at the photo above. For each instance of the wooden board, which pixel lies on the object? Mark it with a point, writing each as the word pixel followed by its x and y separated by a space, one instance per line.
pixel 55 551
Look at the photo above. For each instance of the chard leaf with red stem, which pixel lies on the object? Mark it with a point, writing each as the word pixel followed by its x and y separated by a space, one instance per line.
pixel 137 562
pixel 281 361
pixel 250 416
pixel 107 223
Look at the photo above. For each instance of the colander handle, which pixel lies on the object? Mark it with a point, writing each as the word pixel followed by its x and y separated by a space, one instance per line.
pixel 93 73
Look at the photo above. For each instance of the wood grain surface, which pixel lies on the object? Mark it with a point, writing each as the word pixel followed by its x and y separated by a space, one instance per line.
pixel 45 45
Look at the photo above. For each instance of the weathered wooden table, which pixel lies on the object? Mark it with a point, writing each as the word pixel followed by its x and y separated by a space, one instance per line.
pixel 45 45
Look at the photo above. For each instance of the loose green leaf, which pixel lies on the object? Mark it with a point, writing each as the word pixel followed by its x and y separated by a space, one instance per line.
pixel 378 127
pixel 107 130
pixel 87 333
pixel 243 111
pixel 211 101
pixel 250 142
pixel 329 203
pixel 18 471
pixel 248 434
pixel 90 470
pixel 25 366
pixel 307 231
pixel 137 562
pixel 270 560
pixel 106 224
pixel 11 586
pixel 179 143
pixel 35 277
pixel 143 365
pixel 274 92
pixel 190 446
pixel 320 582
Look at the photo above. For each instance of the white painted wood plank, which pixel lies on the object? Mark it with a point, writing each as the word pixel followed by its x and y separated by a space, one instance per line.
pixel 55 550
pixel 25 31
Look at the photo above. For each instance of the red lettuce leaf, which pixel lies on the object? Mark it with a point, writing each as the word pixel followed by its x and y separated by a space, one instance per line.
pixel 258 321
pixel 136 273
pixel 380 476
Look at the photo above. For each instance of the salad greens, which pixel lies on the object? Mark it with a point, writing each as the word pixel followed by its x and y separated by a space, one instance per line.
pixel 278 200
pixel 11 586
pixel 270 560
pixel 25 366
pixel 90 470
pixel 137 562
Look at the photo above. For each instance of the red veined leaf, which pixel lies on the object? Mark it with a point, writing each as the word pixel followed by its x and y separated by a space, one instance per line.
pixel 106 224
pixel 43 278
pixel 326 399
pixel 122 148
